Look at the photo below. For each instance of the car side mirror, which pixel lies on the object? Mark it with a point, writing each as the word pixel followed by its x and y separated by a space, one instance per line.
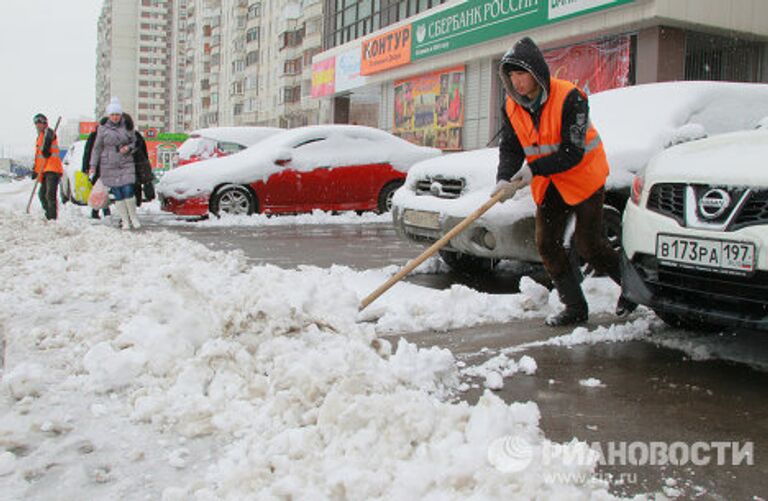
pixel 283 158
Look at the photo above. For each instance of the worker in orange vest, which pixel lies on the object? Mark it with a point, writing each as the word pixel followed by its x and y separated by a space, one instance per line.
pixel 48 168
pixel 548 128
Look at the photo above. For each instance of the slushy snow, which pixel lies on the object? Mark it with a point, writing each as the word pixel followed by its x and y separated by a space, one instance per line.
pixel 145 366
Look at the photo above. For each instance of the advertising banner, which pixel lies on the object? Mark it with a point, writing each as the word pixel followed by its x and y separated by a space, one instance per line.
pixel 348 74
pixel 386 51
pixel 593 66
pixel 429 109
pixel 323 77
pixel 477 21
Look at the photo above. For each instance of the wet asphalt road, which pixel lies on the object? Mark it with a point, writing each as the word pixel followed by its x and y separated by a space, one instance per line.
pixel 650 393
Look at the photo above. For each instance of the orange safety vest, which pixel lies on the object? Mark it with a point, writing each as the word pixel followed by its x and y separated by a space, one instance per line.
pixel 50 164
pixel 580 181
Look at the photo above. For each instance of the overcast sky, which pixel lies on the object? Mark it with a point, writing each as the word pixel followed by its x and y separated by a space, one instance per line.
pixel 47 65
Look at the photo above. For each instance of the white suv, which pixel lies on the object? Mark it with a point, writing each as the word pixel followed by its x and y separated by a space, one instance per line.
pixel 695 234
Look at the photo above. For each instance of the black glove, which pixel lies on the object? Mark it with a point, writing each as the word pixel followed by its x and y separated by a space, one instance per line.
pixel 33 175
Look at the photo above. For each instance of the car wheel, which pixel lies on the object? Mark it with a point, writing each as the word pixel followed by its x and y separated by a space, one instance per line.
pixel 464 263
pixel 386 194
pixel 233 200
pixel 611 232
pixel 687 322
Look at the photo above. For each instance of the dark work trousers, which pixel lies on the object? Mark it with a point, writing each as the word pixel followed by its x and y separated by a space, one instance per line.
pixel 551 219
pixel 49 186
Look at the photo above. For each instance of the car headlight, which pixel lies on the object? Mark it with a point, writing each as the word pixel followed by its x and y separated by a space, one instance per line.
pixel 637 188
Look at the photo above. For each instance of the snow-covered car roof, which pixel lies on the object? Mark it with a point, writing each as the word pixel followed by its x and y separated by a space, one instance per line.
pixel 305 148
pixel 244 136
pixel 637 122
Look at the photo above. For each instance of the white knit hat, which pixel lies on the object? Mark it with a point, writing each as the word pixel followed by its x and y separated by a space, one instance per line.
pixel 114 106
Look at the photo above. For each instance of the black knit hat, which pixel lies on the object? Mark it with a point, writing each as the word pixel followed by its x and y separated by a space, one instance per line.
pixel 40 118
pixel 524 55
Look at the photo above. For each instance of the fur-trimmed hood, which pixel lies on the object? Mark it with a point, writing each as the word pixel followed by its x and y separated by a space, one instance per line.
pixel 525 55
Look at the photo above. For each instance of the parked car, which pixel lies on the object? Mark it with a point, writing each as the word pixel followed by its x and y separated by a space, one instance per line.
pixel 330 167
pixel 72 162
pixel 634 123
pixel 217 142
pixel 696 233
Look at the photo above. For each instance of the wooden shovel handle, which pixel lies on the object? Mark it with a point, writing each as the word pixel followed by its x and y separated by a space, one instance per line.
pixel 436 246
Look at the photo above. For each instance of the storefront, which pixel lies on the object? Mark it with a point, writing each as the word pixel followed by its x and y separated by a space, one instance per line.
pixel 432 79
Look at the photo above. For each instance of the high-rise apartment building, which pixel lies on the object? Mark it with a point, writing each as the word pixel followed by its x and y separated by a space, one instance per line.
pixel 248 62
pixel 138 60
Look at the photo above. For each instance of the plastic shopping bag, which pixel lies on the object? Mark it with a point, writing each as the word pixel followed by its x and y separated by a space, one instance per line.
pixel 83 187
pixel 99 197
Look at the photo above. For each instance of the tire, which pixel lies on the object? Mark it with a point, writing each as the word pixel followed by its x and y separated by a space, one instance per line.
pixel 464 263
pixel 611 232
pixel 686 322
pixel 385 196
pixel 233 199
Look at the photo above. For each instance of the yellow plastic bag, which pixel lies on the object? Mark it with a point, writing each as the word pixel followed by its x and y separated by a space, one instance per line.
pixel 82 187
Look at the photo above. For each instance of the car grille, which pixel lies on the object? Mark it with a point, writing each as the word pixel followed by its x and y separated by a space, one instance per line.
pixel 671 200
pixel 755 211
pixel 747 295
pixel 440 187
pixel 668 199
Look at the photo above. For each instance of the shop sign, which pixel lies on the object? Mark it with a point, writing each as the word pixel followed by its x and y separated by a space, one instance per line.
pixel 386 51
pixel 323 77
pixel 429 109
pixel 348 74
pixel 477 21
pixel 87 127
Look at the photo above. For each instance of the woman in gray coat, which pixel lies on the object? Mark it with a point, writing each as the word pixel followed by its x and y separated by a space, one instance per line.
pixel 113 153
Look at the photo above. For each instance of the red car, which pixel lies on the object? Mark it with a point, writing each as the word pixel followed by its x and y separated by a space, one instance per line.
pixel 325 167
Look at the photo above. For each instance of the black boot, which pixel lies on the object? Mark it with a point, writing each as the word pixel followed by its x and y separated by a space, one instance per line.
pixel 576 310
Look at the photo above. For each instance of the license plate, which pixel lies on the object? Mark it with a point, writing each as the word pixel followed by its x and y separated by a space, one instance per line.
pixel 422 219
pixel 725 256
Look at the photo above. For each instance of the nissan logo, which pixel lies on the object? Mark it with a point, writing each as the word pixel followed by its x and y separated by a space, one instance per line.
pixel 714 203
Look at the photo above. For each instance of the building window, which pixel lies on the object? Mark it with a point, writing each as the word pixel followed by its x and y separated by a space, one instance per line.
pixel 292 66
pixel 291 38
pixel 347 20
pixel 254 10
pixel 711 57
pixel 291 94
pixel 252 35
pixel 252 58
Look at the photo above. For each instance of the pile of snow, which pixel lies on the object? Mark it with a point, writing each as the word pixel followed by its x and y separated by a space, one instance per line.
pixel 141 365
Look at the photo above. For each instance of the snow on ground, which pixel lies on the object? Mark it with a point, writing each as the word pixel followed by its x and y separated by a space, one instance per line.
pixel 145 366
